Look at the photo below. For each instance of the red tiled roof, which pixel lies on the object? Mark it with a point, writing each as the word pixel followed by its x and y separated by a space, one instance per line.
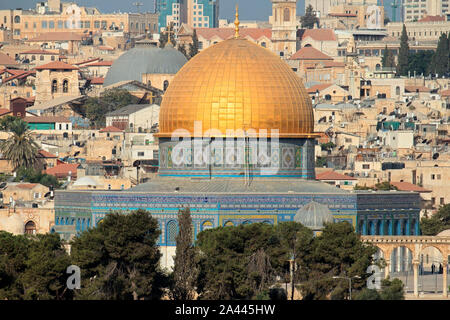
pixel 227 33
pixel 320 34
pixel 98 80
pixel 100 64
pixel 406 186
pixel 432 19
pixel 310 53
pixel 318 87
pixel 57 65
pixel 57 36
pixel 86 61
pixel 46 154
pixel 333 175
pixel 7 60
pixel 445 93
pixel 108 48
pixel 62 170
pixel 43 119
pixel 15 71
pixel 111 129
pixel 38 51
pixel 416 88
pixel 19 76
pixel 4 111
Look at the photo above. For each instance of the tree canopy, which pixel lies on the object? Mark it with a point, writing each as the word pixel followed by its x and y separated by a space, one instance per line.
pixel 440 62
pixel 194 46
pixel 403 54
pixel 20 148
pixel 437 223
pixel 119 258
pixel 309 19
pixel 110 100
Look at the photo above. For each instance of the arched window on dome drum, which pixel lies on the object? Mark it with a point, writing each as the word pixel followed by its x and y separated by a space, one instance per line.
pixel 229 224
pixel 54 86
pixel 65 86
pixel 207 225
pixel 30 227
pixel 166 85
pixel 287 15
pixel 172 230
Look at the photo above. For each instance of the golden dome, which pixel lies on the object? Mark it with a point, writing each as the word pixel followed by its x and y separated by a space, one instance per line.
pixel 237 84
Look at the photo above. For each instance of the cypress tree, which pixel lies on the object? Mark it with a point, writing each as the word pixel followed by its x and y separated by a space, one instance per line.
pixel 193 47
pixel 440 61
pixel 309 19
pixel 388 60
pixel 185 269
pixel 402 66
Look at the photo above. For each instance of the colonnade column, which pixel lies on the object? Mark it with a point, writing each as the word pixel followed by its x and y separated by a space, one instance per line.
pixel 387 268
pixel 416 277
pixel 444 280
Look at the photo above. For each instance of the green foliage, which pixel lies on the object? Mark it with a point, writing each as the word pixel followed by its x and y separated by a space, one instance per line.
pixel 367 294
pixel 20 148
pixel 120 258
pixel 440 62
pixel 358 187
pixel 32 267
pixel 392 290
pixel 309 19
pixel 388 59
pixel 242 262
pixel 437 223
pixel 327 146
pixel 321 162
pixel 6 122
pixel 338 251
pixel 182 49
pixel 110 100
pixel 35 176
pixel 193 47
pixel 420 62
pixel 403 54
pixel 185 270
pixel 385 186
pixel 4 177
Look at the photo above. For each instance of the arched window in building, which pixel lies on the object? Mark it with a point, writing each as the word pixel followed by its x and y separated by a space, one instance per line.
pixel 65 86
pixel 397 91
pixel 30 227
pixel 17 19
pixel 33 58
pixel 207 225
pixel 378 67
pixel 287 14
pixel 172 231
pixel 166 85
pixel 263 44
pixel 54 86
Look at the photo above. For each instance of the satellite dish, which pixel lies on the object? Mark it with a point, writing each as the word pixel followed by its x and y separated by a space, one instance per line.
pixel 435 156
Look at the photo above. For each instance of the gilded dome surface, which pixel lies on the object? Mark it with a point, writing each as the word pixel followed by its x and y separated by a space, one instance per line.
pixel 237 85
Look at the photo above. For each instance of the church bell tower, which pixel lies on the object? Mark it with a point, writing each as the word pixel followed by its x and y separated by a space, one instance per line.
pixel 284 27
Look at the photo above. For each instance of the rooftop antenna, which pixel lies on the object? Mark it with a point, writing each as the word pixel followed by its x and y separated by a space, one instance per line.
pixel 138 5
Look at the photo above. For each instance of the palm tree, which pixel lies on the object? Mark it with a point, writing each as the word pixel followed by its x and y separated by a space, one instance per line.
pixel 20 148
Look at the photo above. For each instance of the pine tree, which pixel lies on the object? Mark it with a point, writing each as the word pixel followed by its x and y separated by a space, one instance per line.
pixel 388 60
pixel 402 66
pixel 193 47
pixel 309 19
pixel 440 62
pixel 185 271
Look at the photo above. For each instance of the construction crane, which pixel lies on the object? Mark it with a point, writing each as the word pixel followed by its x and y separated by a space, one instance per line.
pixel 137 5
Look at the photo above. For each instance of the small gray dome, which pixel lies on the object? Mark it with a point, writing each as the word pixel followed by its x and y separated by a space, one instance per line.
pixel 144 60
pixel 314 215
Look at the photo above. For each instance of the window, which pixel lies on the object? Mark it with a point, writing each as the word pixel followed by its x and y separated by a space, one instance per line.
pixel 97 24
pixel 54 86
pixel 52 58
pixel 366 166
pixel 286 14
pixel 60 24
pixel 103 24
pixel 433 177
pixel 438 177
pixel 441 201
pixel 44 24
pixel 65 86
pixel 26 25
pixel 433 201
pixel 51 24
pixel 171 232
pixel 166 85
pixel 140 154
pixel 16 19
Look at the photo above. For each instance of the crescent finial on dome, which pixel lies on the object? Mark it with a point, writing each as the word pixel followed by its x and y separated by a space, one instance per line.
pixel 236 22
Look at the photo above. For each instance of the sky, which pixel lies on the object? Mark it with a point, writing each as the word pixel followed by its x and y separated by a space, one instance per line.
pixel 249 9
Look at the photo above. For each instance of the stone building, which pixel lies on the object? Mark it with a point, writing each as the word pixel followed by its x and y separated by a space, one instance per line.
pixel 55 80
pixel 284 27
